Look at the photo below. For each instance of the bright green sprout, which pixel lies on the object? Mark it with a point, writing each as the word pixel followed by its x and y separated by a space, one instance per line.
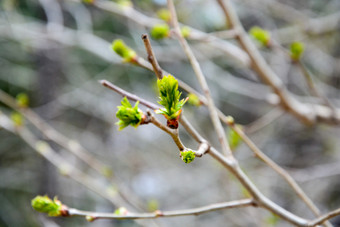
pixel 128 115
pixel 188 156
pixel 46 205
pixel 90 218
pixel 121 211
pixel 233 138
pixel 22 100
pixel 88 1
pixel 185 31
pixel 160 31
pixel 17 119
pixel 194 100
pixel 164 14
pixel 153 205
pixel 296 50
pixel 125 3
pixel 261 35
pixel 123 50
pixel 169 98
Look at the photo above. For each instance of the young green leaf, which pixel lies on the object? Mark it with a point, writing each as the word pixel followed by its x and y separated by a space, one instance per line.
pixel 164 14
pixel 17 119
pixel 123 50
pixel 46 205
pixel 185 31
pixel 160 31
pixel 121 211
pixel 296 50
pixel 188 156
pixel 194 100
pixel 261 35
pixel 233 138
pixel 128 115
pixel 22 100
pixel 169 97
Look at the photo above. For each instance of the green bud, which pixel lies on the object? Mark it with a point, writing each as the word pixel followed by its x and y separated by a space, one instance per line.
pixel 22 100
pixel 90 218
pixel 121 211
pixel 185 31
pixel 17 119
pixel 164 14
pixel 128 115
pixel 233 138
pixel 88 1
pixel 188 156
pixel 194 100
pixel 296 50
pixel 261 35
pixel 125 3
pixel 107 171
pixel 46 205
pixel 230 120
pixel 169 97
pixel 123 50
pixel 153 205
pixel 160 31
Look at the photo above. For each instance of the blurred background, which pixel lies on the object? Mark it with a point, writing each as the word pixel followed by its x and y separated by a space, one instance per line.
pixel 55 51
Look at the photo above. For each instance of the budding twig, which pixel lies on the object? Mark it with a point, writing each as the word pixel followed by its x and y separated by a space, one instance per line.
pixel 164 214
pixel 151 57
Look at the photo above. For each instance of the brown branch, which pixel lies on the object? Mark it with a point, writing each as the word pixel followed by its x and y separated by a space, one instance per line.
pixel 314 91
pixel 283 173
pixel 52 134
pixel 320 220
pixel 65 168
pixel 164 214
pixel 128 95
pixel 201 78
pixel 307 113
pixel 172 132
pixel 232 165
pixel 151 57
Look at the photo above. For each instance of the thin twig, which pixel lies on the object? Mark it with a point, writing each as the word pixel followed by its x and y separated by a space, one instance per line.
pixel 263 121
pixel 54 135
pixel 312 87
pixel 172 132
pixel 201 78
pixel 259 154
pixel 129 95
pixel 320 220
pixel 234 168
pixel 164 214
pixel 59 162
pixel 151 57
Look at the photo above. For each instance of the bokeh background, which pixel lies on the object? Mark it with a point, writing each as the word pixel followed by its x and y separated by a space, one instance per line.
pixel 55 51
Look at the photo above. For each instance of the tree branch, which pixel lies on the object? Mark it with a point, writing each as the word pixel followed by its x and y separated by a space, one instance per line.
pixel 199 74
pixel 164 214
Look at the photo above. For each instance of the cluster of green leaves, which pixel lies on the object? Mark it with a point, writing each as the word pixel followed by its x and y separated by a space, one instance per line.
pixel 170 97
pixel 46 205
pixel 128 115
pixel 188 156
pixel 160 31
pixel 296 50
pixel 261 35
pixel 123 50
